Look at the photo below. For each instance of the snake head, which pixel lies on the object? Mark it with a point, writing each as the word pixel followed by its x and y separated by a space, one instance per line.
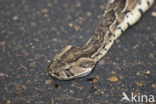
pixel 70 63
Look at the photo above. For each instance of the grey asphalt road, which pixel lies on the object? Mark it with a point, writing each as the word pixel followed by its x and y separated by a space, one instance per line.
pixel 33 31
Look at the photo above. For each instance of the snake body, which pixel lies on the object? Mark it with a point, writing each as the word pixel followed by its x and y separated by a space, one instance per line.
pixel 72 61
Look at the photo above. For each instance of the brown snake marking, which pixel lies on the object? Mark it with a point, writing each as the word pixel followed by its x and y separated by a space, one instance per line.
pixel 72 61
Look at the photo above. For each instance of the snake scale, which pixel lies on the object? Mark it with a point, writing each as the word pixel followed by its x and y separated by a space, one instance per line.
pixel 119 15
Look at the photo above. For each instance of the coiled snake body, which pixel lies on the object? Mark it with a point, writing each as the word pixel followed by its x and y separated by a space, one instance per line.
pixel 74 61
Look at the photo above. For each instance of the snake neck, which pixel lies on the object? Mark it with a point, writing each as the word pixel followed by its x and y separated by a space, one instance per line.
pixel 122 14
pixel 105 30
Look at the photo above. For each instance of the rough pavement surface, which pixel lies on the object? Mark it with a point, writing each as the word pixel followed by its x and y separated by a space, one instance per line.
pixel 33 31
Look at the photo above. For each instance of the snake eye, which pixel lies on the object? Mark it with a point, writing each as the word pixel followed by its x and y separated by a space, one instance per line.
pixel 56 73
pixel 67 69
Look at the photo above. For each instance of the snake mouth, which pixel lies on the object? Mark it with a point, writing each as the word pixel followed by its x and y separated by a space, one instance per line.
pixel 72 72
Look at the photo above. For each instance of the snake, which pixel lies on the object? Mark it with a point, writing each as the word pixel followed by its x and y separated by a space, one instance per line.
pixel 73 61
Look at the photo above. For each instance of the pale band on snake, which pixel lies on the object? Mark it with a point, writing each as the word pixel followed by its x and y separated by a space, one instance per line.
pixel 119 15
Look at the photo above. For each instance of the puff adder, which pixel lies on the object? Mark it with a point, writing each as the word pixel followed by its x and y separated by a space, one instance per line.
pixel 119 15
